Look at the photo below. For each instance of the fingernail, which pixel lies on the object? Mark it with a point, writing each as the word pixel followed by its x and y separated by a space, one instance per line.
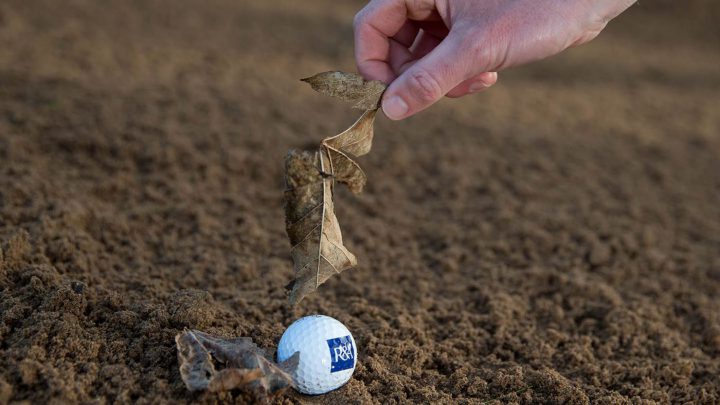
pixel 478 86
pixel 395 107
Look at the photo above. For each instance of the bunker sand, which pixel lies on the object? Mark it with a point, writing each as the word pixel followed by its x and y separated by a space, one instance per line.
pixel 552 240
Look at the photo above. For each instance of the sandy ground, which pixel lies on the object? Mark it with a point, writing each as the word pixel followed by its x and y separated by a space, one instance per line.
pixel 554 240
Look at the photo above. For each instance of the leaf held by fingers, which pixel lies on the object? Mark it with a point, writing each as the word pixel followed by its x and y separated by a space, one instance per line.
pixel 245 365
pixel 317 248
pixel 364 94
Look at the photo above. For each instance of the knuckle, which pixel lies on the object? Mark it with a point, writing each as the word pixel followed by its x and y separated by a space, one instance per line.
pixel 486 46
pixel 359 19
pixel 424 86
pixel 481 51
pixel 419 8
pixel 363 17
pixel 477 48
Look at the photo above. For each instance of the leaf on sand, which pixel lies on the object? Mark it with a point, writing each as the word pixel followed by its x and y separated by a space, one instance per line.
pixel 245 365
pixel 317 248
pixel 365 94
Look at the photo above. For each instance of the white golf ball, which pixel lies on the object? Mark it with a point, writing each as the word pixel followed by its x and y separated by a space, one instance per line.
pixel 327 353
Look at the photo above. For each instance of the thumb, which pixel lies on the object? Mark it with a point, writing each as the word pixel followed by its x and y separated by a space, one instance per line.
pixel 428 79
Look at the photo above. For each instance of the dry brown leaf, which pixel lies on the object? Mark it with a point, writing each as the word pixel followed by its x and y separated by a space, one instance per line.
pixel 232 378
pixel 317 247
pixel 365 94
pixel 356 140
pixel 345 170
pixel 245 365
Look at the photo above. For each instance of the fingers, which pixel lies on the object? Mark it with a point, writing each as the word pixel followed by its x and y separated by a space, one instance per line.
pixel 475 84
pixel 424 44
pixel 407 34
pixel 400 44
pixel 402 58
pixel 375 24
pixel 407 44
pixel 429 79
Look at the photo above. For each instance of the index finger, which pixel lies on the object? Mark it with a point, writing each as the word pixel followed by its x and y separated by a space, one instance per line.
pixel 374 25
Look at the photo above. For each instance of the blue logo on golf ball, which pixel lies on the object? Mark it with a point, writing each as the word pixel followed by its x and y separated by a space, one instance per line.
pixel 342 353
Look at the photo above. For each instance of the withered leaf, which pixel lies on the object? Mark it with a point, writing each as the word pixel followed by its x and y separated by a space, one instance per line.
pixel 245 365
pixel 345 170
pixel 317 247
pixel 355 141
pixel 365 94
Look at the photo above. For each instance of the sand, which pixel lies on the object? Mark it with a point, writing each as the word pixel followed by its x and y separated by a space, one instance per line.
pixel 553 240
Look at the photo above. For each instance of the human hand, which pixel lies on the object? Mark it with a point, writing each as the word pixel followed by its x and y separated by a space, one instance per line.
pixel 427 49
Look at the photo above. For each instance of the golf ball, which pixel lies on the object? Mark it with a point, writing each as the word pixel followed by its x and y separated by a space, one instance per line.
pixel 327 353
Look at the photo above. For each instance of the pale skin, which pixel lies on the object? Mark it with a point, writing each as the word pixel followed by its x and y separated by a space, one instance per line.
pixel 428 49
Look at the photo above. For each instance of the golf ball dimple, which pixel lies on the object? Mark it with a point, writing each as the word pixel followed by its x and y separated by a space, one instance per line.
pixel 327 353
